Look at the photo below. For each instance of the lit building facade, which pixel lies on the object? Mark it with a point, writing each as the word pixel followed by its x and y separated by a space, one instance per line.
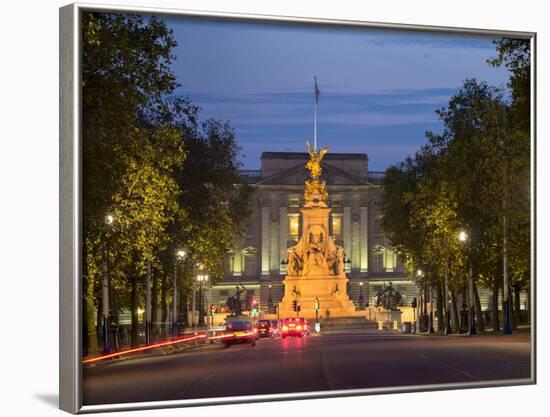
pixel 258 263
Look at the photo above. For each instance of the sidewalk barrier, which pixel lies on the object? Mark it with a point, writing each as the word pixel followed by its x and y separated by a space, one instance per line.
pixel 144 348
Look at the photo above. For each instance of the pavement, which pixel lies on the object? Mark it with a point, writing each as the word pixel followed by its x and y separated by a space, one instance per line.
pixel 294 365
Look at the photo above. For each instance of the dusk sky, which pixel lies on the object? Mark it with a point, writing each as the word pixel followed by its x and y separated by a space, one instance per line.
pixel 379 88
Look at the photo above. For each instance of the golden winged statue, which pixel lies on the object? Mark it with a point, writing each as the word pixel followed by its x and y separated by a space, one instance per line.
pixel 314 163
pixel 315 189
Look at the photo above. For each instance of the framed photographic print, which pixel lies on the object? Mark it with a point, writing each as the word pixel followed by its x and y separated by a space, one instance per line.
pixel 259 208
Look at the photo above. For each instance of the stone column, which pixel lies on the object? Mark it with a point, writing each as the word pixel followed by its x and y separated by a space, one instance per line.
pixel 355 233
pixel 363 239
pixel 237 262
pixel 283 235
pixel 265 231
pixel 347 230
pixel 274 261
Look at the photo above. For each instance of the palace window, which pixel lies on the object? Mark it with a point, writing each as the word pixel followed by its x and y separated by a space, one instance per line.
pixel 249 265
pixel 337 226
pixel 377 259
pixel 378 226
pixel 229 262
pixel 249 260
pixel 293 226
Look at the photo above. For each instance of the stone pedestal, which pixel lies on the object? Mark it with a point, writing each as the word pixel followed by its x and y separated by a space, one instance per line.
pixel 315 264
pixel 316 269
pixel 329 290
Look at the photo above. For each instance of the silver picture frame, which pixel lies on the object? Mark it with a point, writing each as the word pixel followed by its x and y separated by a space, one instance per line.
pixel 70 291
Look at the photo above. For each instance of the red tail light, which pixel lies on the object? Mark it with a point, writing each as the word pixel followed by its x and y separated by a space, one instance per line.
pixel 285 328
pixel 298 327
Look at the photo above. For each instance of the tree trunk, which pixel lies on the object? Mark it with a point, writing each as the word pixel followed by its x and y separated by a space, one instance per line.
pixel 439 305
pixel 163 294
pixel 134 337
pixel 494 306
pixel 480 321
pixel 182 308
pixel 93 348
pixel 163 304
pixel 155 304
pixel 455 316
pixel 99 319
pixel 528 304
pixel 425 300
pixel 517 305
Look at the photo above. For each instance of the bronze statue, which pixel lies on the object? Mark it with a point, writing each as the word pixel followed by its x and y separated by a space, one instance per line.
pixel 315 189
pixel 234 302
pixel 389 298
pixel 314 163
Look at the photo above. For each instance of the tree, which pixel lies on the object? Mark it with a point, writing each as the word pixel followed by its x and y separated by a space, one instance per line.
pixel 166 180
pixel 515 55
pixel 463 179
pixel 125 70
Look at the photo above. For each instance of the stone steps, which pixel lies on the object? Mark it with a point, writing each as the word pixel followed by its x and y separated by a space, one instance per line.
pixel 348 323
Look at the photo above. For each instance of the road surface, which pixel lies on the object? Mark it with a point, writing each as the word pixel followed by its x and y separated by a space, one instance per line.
pixel 326 362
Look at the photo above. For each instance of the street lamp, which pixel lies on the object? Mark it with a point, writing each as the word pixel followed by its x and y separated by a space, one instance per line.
pixel 269 300
pixel 431 330
pixel 201 279
pixel 347 263
pixel 361 299
pixel 448 329
pixel 423 317
pixel 180 256
pixel 105 288
pixel 506 328
pixel 463 237
pixel 147 318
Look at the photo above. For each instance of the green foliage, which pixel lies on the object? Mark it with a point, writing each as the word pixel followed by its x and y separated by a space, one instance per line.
pixel 515 55
pixel 471 176
pixel 167 181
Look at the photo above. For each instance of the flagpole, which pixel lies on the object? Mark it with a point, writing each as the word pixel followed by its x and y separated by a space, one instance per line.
pixel 315 113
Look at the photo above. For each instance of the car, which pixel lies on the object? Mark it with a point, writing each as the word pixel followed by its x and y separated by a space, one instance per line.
pixel 239 331
pixel 266 329
pixel 276 326
pixel 294 327
pixel 305 325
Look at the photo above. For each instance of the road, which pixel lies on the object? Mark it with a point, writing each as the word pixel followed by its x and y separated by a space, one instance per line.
pixel 326 362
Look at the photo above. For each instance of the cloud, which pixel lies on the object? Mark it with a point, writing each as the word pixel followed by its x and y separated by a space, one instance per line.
pixel 379 87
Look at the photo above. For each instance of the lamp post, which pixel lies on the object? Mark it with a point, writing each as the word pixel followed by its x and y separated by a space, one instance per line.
pixel 105 289
pixel 147 315
pixel 361 299
pixel 201 279
pixel 506 328
pixel 180 256
pixel 347 263
pixel 414 306
pixel 422 318
pixel 431 329
pixel 463 237
pixel 269 300
pixel 448 329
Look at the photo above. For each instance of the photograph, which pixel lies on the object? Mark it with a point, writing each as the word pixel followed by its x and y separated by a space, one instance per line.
pixel 274 209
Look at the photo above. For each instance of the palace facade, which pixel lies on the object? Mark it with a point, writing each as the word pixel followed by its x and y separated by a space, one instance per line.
pixel 259 262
